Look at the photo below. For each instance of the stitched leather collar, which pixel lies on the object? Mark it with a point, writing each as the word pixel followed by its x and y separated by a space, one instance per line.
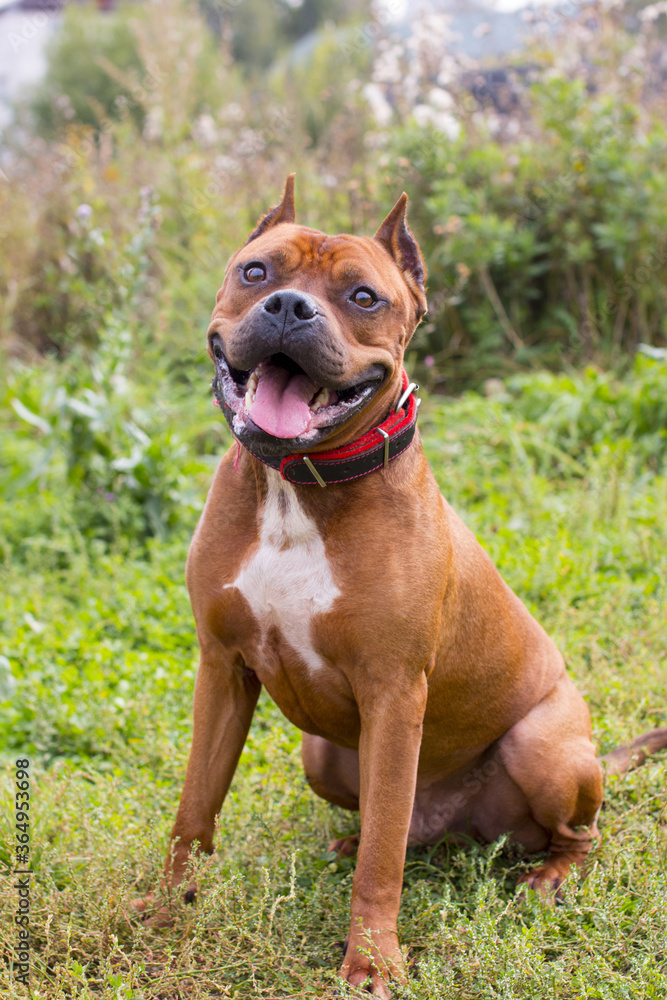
pixel 372 451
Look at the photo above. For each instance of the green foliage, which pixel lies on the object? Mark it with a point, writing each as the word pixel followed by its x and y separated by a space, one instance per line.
pixel 78 88
pixel 114 457
pixel 577 413
pixel 91 279
pixel 323 82
pixel 547 247
pixel 126 66
pixel 95 437
pixel 543 227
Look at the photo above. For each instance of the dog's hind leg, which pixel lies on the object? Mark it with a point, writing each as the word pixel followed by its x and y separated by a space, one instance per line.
pixel 332 771
pixel 333 774
pixel 550 757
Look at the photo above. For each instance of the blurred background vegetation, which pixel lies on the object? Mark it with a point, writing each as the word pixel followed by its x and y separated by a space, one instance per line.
pixel 536 179
pixel 161 131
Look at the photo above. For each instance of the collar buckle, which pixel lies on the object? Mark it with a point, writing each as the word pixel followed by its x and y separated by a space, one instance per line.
pixel 316 476
pixel 412 387
pixel 385 461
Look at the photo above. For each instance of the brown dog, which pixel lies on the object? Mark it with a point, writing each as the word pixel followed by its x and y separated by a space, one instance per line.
pixel 428 696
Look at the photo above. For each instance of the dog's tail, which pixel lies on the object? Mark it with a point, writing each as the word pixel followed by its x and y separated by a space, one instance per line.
pixel 632 755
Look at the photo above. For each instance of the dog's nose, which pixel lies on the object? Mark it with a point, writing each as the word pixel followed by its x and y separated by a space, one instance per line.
pixel 291 304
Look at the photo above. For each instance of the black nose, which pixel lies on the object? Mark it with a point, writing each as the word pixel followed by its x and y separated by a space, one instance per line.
pixel 291 304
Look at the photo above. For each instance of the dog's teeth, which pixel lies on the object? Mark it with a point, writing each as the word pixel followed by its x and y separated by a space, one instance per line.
pixel 321 399
pixel 251 389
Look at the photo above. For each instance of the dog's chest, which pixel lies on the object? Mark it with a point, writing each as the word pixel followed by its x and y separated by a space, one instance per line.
pixel 287 579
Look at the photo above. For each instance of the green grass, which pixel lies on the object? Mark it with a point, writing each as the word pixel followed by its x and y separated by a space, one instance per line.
pixel 97 662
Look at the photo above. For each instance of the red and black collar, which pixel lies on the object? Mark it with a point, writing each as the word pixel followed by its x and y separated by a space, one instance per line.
pixel 373 450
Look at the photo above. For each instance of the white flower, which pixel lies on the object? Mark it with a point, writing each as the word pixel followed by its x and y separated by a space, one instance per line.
pixel 249 142
pixel 426 115
pixel 482 29
pixel 234 112
pixel 380 106
pixel 440 98
pixel 205 131
pixel 422 114
pixel 153 124
pixel 653 11
pixel 447 124
pixel 226 164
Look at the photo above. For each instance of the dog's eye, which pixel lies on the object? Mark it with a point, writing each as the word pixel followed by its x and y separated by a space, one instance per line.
pixel 254 272
pixel 364 297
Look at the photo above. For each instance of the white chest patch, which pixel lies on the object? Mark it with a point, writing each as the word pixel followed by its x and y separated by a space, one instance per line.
pixel 287 580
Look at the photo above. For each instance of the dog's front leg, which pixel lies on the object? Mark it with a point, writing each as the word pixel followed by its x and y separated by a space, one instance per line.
pixel 391 732
pixel 226 694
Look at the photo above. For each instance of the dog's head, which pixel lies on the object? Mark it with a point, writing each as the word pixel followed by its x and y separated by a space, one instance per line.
pixel 309 330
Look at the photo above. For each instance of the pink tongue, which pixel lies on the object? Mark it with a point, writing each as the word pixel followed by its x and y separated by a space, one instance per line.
pixel 281 402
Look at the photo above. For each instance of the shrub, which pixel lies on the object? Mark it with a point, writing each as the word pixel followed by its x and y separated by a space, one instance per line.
pixel 546 249
pixel 78 89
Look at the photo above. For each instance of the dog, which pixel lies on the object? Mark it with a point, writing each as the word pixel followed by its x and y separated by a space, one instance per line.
pixel 328 567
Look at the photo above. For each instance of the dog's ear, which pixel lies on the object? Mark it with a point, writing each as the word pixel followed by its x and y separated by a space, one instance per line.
pixel 284 212
pixel 399 242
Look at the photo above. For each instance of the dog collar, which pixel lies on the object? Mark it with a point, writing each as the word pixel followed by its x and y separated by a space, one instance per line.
pixel 373 450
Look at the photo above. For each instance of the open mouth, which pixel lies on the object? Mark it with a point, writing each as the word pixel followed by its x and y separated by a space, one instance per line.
pixel 282 400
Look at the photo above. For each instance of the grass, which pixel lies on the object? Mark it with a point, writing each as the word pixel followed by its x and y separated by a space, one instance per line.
pixel 97 662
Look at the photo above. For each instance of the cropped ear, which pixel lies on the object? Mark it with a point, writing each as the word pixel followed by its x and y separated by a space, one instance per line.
pixel 399 242
pixel 284 212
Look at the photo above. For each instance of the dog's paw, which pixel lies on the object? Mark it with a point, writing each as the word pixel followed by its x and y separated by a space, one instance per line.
pixel 345 847
pixel 547 880
pixel 372 962
pixel 156 911
pixel 141 904
pixel 151 912
pixel 365 980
